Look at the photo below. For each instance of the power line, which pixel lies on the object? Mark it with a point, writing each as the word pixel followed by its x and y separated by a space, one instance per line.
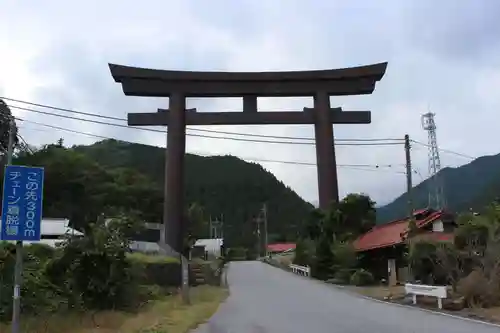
pixel 198 135
pixel 62 109
pixel 445 150
pixel 192 129
pixel 362 142
pixel 25 143
pixel 361 167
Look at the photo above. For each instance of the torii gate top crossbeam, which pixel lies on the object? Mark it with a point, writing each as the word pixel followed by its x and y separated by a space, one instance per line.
pixel 137 81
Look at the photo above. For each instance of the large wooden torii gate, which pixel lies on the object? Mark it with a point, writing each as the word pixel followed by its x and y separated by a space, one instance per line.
pixel 179 85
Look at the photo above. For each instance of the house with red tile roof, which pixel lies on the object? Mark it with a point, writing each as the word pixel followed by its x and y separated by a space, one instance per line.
pixel 382 248
pixel 280 247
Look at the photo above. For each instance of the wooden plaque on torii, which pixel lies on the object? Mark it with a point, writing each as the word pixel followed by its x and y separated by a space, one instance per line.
pixel 179 85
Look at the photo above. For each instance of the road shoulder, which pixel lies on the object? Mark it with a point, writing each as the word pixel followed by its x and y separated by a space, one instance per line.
pixel 482 316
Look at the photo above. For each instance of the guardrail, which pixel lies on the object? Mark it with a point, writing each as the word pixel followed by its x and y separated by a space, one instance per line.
pixel 439 292
pixel 300 270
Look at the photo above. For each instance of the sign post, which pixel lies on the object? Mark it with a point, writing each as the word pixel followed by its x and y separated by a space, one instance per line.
pixel 21 218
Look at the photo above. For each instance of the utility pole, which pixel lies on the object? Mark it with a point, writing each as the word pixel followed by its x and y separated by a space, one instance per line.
pixel 185 279
pixel 221 226
pixel 409 183
pixel 18 270
pixel 210 227
pixel 216 228
pixel 264 212
pixel 412 226
pixel 259 244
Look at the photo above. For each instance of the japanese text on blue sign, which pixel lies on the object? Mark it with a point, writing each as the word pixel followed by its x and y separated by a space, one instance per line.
pixel 22 203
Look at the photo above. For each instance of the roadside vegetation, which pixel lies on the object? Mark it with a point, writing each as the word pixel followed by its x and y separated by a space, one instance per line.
pixel 95 282
pixel 469 265
pixel 166 314
pixel 326 242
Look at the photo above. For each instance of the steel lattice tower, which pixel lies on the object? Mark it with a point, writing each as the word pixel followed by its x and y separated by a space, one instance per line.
pixel 436 188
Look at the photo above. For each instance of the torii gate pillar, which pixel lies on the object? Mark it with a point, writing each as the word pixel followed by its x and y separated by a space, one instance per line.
pixel 328 187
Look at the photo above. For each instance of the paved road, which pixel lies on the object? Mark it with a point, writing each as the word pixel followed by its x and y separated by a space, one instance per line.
pixel 265 299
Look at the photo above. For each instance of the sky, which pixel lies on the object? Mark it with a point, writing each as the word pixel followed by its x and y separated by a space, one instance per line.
pixel 442 57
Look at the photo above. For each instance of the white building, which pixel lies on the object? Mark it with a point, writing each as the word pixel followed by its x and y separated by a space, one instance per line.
pixel 152 240
pixel 212 246
pixel 53 230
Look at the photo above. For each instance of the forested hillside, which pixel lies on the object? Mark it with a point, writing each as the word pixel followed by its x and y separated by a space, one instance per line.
pixel 83 181
pixel 474 185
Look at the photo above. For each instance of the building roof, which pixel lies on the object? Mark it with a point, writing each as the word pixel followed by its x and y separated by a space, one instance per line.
pixel 281 247
pixel 58 227
pixel 210 243
pixel 395 232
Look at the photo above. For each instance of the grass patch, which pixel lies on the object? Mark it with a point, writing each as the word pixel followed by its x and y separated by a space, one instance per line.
pixel 165 315
pixel 151 258
pixel 492 314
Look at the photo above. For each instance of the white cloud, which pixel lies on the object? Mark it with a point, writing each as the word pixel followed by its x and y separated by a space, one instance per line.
pixel 57 52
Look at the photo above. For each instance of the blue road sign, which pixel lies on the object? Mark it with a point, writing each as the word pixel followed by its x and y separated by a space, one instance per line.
pixel 22 203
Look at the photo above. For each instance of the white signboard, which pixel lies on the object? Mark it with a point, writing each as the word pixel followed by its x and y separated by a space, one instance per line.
pixel 419 289
pixel 424 290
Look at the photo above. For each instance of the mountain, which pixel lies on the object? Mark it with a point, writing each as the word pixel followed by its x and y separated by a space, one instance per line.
pixel 224 185
pixel 472 185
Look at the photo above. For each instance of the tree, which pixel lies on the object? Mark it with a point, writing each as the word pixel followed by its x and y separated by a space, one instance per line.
pixel 78 188
pixel 195 226
pixel 197 220
pixel 5 119
pixel 357 215
pixel 346 220
pixel 223 185
pixel 322 268
pixel 313 224
pixel 304 252
pixel 332 232
pixel 344 256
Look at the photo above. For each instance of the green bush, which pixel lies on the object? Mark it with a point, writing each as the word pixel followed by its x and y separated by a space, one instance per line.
pixel 96 267
pixel 165 274
pixel 344 256
pixel 305 252
pixel 94 272
pixel 343 276
pixel 42 252
pixel 362 277
pixel 323 266
pixel 423 258
pixel 38 293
